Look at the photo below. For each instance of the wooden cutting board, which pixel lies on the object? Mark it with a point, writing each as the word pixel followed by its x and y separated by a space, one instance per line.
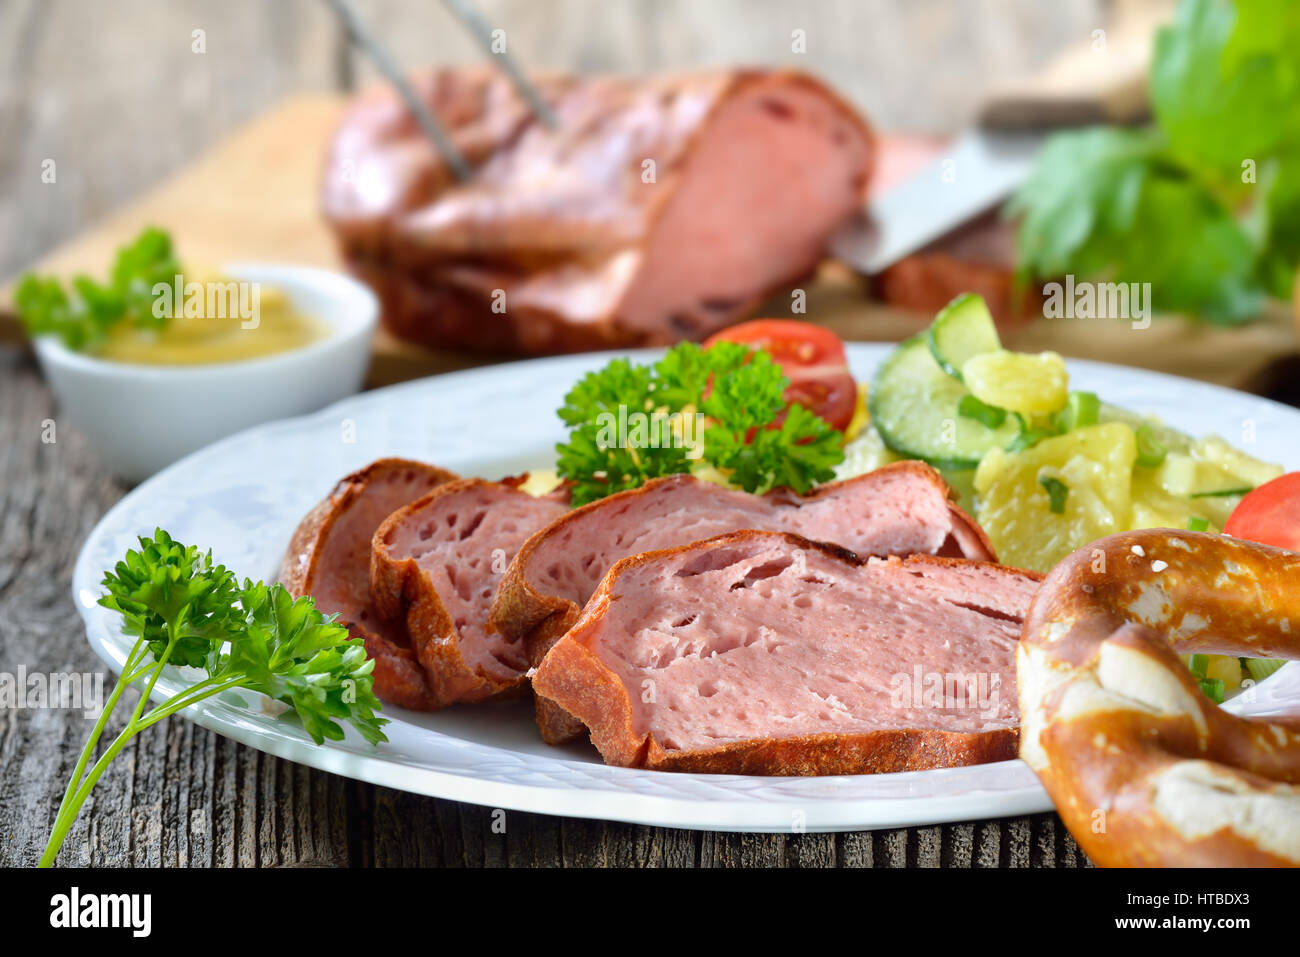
pixel 254 197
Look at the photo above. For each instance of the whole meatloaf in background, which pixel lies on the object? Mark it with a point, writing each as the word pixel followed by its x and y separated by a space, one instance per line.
pixel 658 209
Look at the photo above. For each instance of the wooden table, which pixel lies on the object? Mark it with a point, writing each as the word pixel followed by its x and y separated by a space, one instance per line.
pixel 117 95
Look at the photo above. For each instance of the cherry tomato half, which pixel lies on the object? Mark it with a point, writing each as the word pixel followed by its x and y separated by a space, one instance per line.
pixel 811 357
pixel 1270 514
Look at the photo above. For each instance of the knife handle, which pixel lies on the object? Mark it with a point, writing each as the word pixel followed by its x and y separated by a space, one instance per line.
pixel 1102 80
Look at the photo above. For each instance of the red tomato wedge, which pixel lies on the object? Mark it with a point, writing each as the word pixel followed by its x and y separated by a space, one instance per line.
pixel 1269 515
pixel 811 357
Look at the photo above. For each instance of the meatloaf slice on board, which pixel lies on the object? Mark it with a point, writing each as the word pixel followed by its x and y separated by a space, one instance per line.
pixel 329 559
pixel 436 564
pixel 765 653
pixel 900 509
pixel 658 209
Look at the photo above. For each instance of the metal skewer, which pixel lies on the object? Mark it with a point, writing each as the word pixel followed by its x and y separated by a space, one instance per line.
pixel 482 30
pixel 362 36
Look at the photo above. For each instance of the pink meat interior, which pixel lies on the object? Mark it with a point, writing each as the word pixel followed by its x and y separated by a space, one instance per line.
pixel 342 582
pixel 463 540
pixel 780 167
pixel 884 513
pixel 765 639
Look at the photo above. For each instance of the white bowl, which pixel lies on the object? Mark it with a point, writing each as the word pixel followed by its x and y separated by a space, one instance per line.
pixel 140 418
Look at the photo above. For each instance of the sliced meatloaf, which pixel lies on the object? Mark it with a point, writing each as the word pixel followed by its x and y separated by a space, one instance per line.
pixel 329 559
pixel 901 509
pixel 436 564
pixel 766 653
pixel 658 208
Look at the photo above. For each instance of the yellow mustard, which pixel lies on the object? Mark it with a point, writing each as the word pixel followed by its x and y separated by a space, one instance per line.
pixel 214 319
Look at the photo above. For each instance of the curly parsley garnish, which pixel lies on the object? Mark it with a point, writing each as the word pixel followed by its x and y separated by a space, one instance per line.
pixel 184 610
pixel 82 316
pixel 749 432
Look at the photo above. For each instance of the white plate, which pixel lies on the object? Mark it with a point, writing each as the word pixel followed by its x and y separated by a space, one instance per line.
pixel 243 496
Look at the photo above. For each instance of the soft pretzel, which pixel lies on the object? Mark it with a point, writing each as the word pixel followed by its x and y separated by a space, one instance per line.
pixel 1144 769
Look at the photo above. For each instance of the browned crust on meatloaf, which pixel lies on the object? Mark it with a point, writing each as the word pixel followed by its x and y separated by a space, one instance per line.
pixel 519 609
pixel 554 723
pixel 398 677
pixel 420 306
pixel 574 678
pixel 400 589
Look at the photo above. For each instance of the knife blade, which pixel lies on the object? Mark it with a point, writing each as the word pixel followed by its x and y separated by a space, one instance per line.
pixel 978 172
pixel 1102 80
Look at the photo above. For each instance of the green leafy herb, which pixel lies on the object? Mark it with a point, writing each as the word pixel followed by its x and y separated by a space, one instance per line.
pixel 1205 205
pixel 81 316
pixel 1057 493
pixel 184 610
pixel 630 423
pixel 990 416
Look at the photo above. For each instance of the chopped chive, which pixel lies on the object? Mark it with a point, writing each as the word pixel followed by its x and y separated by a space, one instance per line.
pixel 1223 492
pixel 1082 409
pixel 1057 493
pixel 1213 688
pixel 1150 451
pixel 1199 664
pixel 1028 437
pixel 1261 668
pixel 1198 524
pixel 990 416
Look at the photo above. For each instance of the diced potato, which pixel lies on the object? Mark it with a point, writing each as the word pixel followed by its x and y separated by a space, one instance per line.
pixel 1217 466
pixel 1176 475
pixel 1233 465
pixel 1227 668
pixel 541 482
pixel 864 454
pixel 710 473
pixel 1154 506
pixel 1017 381
pixel 1096 466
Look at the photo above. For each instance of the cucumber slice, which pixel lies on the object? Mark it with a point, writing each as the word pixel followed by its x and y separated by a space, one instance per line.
pixel 962 329
pixel 913 405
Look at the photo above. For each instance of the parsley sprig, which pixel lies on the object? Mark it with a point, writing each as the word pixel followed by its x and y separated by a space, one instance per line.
pixel 751 434
pixel 184 610
pixel 81 316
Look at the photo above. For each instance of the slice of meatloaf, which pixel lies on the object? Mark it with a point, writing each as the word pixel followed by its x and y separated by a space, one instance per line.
pixel 765 653
pixel 901 509
pixel 659 208
pixel 436 564
pixel 329 559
